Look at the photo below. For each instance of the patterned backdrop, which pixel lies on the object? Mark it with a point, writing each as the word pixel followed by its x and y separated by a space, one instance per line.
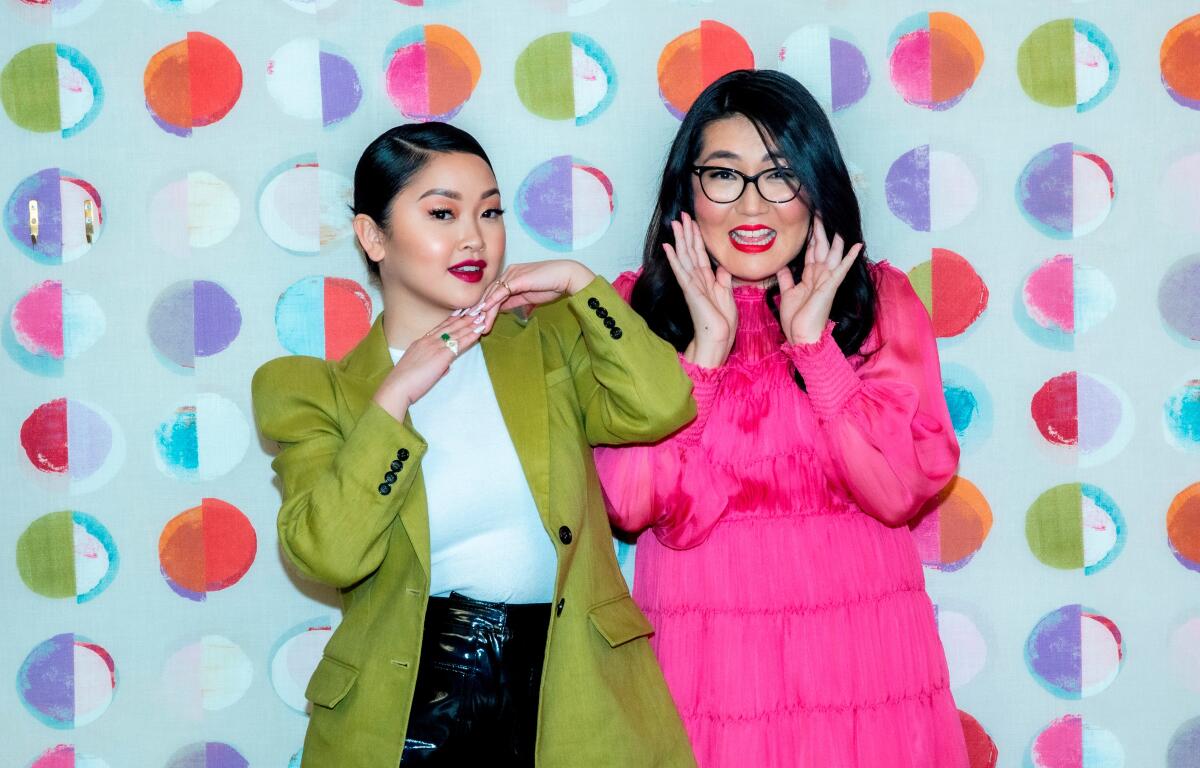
pixel 174 177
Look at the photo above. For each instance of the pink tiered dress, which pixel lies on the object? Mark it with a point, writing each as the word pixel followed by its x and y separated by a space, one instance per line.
pixel 788 601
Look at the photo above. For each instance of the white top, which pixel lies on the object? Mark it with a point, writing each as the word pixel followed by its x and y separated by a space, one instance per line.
pixel 485 535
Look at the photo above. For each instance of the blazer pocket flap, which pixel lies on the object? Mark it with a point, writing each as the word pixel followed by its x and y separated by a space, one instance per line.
pixel 330 682
pixel 619 620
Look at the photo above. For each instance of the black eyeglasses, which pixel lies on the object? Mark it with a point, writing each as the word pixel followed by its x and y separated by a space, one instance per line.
pixel 725 185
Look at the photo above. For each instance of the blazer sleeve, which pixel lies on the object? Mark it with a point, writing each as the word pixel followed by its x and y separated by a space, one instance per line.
pixel 669 486
pixel 342 490
pixel 628 381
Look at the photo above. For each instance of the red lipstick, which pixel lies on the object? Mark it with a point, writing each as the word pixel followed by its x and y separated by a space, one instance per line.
pixel 752 238
pixel 468 271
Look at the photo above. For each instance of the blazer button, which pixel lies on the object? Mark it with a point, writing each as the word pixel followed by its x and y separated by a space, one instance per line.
pixel 389 478
pixel 615 333
pixel 397 465
pixel 402 454
pixel 384 489
pixel 558 608
pixel 601 312
pixel 593 302
pixel 564 535
pixel 610 323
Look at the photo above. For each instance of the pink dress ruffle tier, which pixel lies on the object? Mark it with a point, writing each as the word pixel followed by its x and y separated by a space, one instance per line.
pixel 788 601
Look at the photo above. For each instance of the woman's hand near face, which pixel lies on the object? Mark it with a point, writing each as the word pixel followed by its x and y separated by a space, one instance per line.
pixel 709 295
pixel 426 361
pixel 527 285
pixel 804 307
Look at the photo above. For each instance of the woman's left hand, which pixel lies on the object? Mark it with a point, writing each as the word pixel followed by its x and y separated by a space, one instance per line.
pixel 804 307
pixel 527 285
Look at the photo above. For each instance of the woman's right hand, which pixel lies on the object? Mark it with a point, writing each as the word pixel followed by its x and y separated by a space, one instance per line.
pixel 709 295
pixel 426 361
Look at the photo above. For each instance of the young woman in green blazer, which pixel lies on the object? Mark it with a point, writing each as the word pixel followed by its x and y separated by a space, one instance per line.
pixel 441 477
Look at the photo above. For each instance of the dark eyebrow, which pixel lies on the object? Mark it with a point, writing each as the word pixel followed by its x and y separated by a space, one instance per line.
pixel 720 154
pixel 450 193
pixel 724 154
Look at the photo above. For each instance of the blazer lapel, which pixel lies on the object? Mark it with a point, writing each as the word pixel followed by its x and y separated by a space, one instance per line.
pixel 366 365
pixel 365 368
pixel 513 353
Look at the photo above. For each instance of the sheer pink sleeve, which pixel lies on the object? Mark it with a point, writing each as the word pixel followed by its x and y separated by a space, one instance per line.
pixel 888 435
pixel 669 486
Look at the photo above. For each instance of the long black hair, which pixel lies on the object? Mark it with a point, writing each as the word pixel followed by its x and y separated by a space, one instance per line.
pixel 393 158
pixel 792 123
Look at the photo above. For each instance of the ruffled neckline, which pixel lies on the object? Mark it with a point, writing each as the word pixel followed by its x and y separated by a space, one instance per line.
pixel 758 332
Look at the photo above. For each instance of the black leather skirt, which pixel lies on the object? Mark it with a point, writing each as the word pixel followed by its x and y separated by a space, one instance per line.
pixel 478 683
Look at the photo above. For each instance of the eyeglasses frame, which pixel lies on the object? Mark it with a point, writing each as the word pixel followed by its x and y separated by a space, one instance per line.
pixel 747 180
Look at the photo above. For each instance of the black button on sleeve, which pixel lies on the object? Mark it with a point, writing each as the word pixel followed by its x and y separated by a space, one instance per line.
pixel 397 465
pixel 564 535
pixel 601 312
pixel 562 601
pixel 615 333
pixel 389 478
pixel 593 302
pixel 384 489
pixel 610 323
pixel 402 454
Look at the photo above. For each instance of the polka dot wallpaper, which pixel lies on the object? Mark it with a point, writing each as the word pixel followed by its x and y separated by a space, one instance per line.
pixel 174 181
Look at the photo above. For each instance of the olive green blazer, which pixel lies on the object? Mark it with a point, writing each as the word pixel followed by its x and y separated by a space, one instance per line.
pixel 583 371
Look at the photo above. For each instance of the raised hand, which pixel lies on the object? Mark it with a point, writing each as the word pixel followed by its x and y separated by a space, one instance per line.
pixel 527 285
pixel 709 295
pixel 804 307
pixel 426 361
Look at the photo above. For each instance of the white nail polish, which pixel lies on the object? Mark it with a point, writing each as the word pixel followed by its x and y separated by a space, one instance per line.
pixel 478 320
pixel 456 312
pixel 478 329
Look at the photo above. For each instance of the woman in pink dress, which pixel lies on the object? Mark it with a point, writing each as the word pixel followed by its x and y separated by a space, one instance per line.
pixel 787 597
